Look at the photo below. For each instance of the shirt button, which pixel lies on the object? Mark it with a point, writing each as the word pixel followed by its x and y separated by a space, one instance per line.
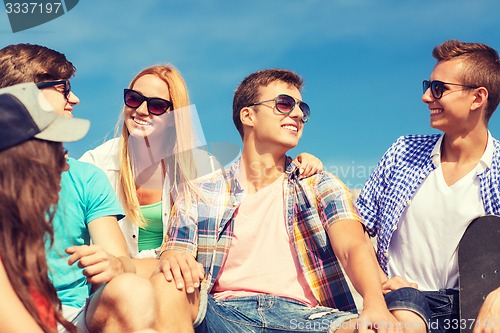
pixel 395 228
pixel 220 229
pixel 386 254
pixel 408 202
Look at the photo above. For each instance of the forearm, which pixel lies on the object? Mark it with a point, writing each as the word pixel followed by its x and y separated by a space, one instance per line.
pixel 383 277
pixel 364 273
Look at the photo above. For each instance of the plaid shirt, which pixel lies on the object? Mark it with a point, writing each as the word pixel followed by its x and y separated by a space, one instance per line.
pixel 312 206
pixel 399 174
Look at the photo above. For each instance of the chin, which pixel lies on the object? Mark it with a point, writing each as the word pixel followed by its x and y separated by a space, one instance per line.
pixel 290 145
pixel 138 131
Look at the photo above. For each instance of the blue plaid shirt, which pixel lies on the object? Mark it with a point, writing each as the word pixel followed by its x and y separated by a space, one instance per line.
pixel 312 205
pixel 395 180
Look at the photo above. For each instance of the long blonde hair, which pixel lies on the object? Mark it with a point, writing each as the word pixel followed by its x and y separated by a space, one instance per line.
pixel 183 163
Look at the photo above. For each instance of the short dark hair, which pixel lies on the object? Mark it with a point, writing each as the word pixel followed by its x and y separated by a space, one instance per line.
pixel 21 63
pixel 481 67
pixel 248 90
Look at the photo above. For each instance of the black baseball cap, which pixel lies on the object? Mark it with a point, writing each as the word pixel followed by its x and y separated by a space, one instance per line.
pixel 26 114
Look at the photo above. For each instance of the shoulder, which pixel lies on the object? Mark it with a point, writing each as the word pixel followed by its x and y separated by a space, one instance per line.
pixel 327 177
pixel 77 166
pixel 417 140
pixel 411 148
pixel 325 182
pixel 496 143
pixel 84 173
pixel 106 156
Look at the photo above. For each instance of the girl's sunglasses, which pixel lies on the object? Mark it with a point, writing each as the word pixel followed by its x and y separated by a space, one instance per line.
pixel 285 105
pixel 156 106
pixel 438 88
pixel 47 84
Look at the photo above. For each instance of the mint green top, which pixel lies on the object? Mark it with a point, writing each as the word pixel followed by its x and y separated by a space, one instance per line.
pixel 151 237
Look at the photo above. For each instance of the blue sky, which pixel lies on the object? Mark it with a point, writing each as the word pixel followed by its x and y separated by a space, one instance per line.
pixel 363 62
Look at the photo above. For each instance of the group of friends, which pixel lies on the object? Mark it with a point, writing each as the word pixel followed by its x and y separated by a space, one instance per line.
pixel 148 233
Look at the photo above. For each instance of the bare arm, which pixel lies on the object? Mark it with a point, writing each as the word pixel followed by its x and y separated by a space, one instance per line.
pixel 108 255
pixel 13 315
pixel 356 255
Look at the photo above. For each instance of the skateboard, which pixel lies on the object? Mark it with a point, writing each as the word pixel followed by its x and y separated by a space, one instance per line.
pixel 478 266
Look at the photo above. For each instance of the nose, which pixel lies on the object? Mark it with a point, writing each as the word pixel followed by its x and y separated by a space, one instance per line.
pixel 427 96
pixel 73 99
pixel 296 112
pixel 143 108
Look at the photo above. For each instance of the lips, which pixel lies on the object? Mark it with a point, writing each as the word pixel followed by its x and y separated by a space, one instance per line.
pixel 141 122
pixel 290 127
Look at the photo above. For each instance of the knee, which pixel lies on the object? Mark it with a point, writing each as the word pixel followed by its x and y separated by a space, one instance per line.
pixel 164 288
pixel 171 299
pixel 126 303
pixel 129 292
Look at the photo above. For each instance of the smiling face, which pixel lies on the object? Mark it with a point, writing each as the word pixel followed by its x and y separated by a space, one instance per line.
pixel 270 128
pixel 61 105
pixel 139 120
pixel 452 112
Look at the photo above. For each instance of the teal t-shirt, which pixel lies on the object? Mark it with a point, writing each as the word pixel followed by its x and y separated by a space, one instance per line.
pixel 85 195
pixel 151 237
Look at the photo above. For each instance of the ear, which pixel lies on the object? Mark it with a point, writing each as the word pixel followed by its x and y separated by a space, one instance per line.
pixel 246 116
pixel 480 98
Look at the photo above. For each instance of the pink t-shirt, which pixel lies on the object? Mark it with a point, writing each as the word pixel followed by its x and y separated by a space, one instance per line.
pixel 260 259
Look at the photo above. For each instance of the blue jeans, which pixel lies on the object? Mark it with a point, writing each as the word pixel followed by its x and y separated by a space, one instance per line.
pixel 267 313
pixel 439 309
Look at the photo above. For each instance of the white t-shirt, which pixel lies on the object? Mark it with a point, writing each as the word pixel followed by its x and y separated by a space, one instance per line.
pixel 423 249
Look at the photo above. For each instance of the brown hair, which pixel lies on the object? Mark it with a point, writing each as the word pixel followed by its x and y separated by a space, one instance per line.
pixel 248 90
pixel 30 175
pixel 481 67
pixel 20 63
pixel 183 165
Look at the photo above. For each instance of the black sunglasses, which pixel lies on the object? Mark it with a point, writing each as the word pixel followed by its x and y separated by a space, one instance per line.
pixel 285 105
pixel 438 88
pixel 156 106
pixel 47 84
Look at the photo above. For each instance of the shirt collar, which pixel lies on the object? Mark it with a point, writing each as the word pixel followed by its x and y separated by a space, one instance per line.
pixel 234 172
pixel 484 163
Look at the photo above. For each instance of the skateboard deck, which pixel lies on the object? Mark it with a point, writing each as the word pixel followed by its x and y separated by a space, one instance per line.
pixel 479 267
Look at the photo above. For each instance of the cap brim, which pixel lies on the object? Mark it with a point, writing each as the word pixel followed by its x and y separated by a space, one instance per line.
pixel 64 129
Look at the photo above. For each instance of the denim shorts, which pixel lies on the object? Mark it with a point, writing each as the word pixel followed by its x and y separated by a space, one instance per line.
pixel 439 309
pixel 267 313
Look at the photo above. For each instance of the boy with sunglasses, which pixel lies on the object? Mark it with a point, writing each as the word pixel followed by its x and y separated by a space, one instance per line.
pixel 428 188
pixel 94 293
pixel 266 245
